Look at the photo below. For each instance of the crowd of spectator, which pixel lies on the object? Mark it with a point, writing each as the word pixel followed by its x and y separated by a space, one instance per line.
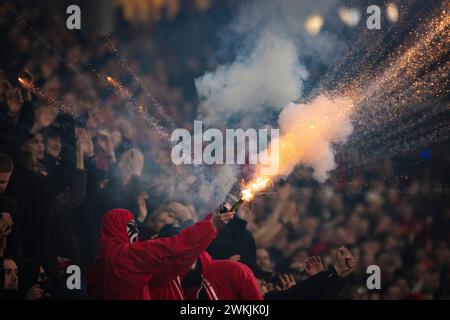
pixel 66 161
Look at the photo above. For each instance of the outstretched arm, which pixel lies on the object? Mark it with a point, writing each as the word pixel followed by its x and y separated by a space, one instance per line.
pixel 168 257
pixel 321 284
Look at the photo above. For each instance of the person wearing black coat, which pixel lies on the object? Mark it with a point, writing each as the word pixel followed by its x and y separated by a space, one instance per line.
pixel 41 208
pixel 234 239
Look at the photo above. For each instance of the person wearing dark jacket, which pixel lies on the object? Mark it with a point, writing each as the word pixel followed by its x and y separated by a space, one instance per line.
pixel 15 119
pixel 125 265
pixel 40 206
pixel 234 240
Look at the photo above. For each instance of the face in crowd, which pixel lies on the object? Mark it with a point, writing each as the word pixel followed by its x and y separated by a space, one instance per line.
pixel 35 146
pixel 4 180
pixel 6 168
pixel 53 146
pixel 11 275
pixel 263 259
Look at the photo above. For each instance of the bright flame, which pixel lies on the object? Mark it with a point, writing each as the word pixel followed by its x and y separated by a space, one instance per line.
pixel 255 186
pixel 313 24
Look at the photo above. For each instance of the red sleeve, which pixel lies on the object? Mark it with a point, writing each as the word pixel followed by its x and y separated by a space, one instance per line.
pixel 168 257
pixel 247 284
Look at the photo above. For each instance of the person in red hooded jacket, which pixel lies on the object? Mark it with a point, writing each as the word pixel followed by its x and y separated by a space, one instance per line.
pixel 212 280
pixel 208 279
pixel 125 265
pixel 221 280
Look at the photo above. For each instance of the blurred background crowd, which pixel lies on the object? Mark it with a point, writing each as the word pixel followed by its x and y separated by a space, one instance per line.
pixel 79 149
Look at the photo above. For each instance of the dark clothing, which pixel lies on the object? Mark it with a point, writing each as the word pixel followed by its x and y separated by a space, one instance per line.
pixel 234 239
pixel 61 212
pixel 57 171
pixel 13 242
pixel 15 130
pixel 2 274
pixel 10 295
pixel 41 210
pixel 321 286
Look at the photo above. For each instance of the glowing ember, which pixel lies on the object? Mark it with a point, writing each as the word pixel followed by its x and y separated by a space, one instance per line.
pixel 25 83
pixel 123 92
pixel 44 94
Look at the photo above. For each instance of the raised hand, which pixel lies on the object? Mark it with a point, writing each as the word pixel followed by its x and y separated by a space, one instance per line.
pixel 284 192
pixel 105 142
pixel 142 206
pixel 35 293
pixel 219 220
pixel 345 262
pixel 180 212
pixel 286 281
pixel 313 265
pixel 6 225
pixel 86 141
pixel 136 162
pixel 79 161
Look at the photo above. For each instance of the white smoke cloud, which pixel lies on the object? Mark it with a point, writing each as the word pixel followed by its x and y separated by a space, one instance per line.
pixel 269 41
pixel 217 188
pixel 267 79
pixel 313 128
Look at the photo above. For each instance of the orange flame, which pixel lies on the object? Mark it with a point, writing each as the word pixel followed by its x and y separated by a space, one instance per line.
pixel 255 186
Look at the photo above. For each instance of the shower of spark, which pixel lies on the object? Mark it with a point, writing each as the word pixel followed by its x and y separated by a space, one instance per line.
pixel 416 72
pixel 125 94
pixel 44 95
pixel 112 47
pixel 120 89
pixel 401 98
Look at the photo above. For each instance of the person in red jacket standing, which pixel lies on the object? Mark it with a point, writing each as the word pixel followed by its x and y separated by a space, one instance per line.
pixel 221 280
pixel 125 265
pixel 207 279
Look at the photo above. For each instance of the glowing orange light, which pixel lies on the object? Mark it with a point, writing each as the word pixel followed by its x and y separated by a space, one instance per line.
pixel 255 186
pixel 120 89
pixel 25 82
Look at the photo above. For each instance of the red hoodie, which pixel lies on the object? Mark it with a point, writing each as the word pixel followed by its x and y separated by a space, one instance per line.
pixel 123 270
pixel 222 280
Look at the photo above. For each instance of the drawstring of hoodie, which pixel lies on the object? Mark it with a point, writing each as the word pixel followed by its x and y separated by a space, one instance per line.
pixel 177 283
pixel 209 290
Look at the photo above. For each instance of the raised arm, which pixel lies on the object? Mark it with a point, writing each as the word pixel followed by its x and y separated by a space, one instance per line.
pixel 168 257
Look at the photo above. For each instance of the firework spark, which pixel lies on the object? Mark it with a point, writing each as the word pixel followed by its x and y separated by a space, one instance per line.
pixel 413 74
pixel 126 94
pixel 45 95
pixel 120 89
